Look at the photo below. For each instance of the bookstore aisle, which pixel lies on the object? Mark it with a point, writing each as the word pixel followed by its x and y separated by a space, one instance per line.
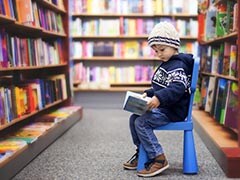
pixel 96 147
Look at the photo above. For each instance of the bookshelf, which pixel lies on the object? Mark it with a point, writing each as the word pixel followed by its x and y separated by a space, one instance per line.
pixel 219 83
pixel 34 75
pixel 110 44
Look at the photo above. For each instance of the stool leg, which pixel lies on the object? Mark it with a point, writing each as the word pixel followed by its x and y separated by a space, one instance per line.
pixel 142 158
pixel 190 165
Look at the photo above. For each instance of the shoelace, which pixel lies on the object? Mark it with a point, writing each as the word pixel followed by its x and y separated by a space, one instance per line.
pixel 133 157
pixel 150 162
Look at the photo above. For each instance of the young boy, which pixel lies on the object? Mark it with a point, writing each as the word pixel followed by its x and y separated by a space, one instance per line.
pixel 169 94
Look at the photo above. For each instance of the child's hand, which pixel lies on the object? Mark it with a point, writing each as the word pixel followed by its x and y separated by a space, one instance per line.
pixel 153 103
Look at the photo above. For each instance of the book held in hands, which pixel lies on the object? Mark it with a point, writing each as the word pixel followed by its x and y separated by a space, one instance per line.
pixel 135 103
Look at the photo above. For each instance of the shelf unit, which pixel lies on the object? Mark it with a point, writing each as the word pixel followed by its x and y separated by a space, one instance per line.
pixel 123 36
pixel 15 75
pixel 222 141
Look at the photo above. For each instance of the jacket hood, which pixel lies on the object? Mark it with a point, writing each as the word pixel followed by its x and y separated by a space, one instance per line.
pixel 186 58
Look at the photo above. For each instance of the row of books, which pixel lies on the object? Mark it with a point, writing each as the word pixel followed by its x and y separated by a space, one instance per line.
pixel 220 59
pixel 135 6
pixel 112 74
pixel 26 135
pixel 30 96
pixel 220 99
pixel 122 49
pixel 31 13
pixel 48 20
pixel 128 26
pixel 218 20
pixel 22 52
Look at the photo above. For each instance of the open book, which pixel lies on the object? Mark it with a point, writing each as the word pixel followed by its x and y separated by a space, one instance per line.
pixel 135 103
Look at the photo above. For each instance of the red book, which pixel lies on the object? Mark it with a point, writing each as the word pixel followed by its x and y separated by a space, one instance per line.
pixel 201 27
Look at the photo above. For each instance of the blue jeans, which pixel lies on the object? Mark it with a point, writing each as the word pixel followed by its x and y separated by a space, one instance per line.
pixel 142 127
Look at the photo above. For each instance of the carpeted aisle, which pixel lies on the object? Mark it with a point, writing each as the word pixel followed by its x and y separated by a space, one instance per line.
pixel 96 147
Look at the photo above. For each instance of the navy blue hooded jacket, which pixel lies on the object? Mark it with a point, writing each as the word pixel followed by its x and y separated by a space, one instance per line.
pixel 171 84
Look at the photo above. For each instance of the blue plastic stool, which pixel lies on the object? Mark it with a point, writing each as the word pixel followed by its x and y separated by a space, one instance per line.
pixel 190 165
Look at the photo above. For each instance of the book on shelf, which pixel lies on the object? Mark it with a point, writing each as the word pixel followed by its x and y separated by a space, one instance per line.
pixel 24 11
pixel 226 59
pixel 38 126
pixel 221 99
pixel 29 136
pixel 103 48
pixel 231 117
pixel 235 17
pixel 8 147
pixel 131 49
pixel 233 61
pixel 221 20
pixel 210 30
pixel 135 103
pixel 204 89
pixel 210 94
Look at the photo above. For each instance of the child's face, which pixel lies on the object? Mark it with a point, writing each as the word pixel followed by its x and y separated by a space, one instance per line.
pixel 164 53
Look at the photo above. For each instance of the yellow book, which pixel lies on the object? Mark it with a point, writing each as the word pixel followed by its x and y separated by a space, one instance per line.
pixel 131 49
pixel 131 74
pixel 11 145
pixel 158 6
pixel 112 74
pixel 132 27
pixel 90 6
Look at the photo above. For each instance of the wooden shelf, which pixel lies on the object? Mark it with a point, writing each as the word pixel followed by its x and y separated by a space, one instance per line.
pixel 113 59
pixel 220 76
pixel 32 31
pixel 6 20
pixel 31 68
pixel 125 37
pixel 12 166
pixel 147 83
pixel 111 89
pixel 51 6
pixel 14 121
pixel 17 75
pixel 229 37
pixel 132 15
pixel 222 142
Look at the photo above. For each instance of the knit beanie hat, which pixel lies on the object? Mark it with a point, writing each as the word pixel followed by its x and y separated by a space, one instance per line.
pixel 164 33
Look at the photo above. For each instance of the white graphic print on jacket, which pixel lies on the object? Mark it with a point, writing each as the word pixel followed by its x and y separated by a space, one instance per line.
pixel 164 78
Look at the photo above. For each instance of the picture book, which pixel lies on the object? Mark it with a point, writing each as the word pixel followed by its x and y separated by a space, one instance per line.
pixel 29 136
pixel 135 103
pixel 210 94
pixel 220 106
pixel 204 90
pixel 232 106
pixel 11 145
pixel 38 126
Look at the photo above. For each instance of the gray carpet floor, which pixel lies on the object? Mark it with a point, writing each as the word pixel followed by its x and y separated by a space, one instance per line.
pixel 95 148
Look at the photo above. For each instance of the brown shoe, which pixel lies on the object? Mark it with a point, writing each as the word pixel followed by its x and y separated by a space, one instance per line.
pixel 131 164
pixel 154 167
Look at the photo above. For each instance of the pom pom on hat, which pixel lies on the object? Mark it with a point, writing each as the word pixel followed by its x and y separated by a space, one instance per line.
pixel 164 33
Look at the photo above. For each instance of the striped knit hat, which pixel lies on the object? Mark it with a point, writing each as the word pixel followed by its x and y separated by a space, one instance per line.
pixel 164 33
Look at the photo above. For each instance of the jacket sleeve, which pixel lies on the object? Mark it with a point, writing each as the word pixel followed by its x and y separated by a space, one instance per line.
pixel 150 92
pixel 174 91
